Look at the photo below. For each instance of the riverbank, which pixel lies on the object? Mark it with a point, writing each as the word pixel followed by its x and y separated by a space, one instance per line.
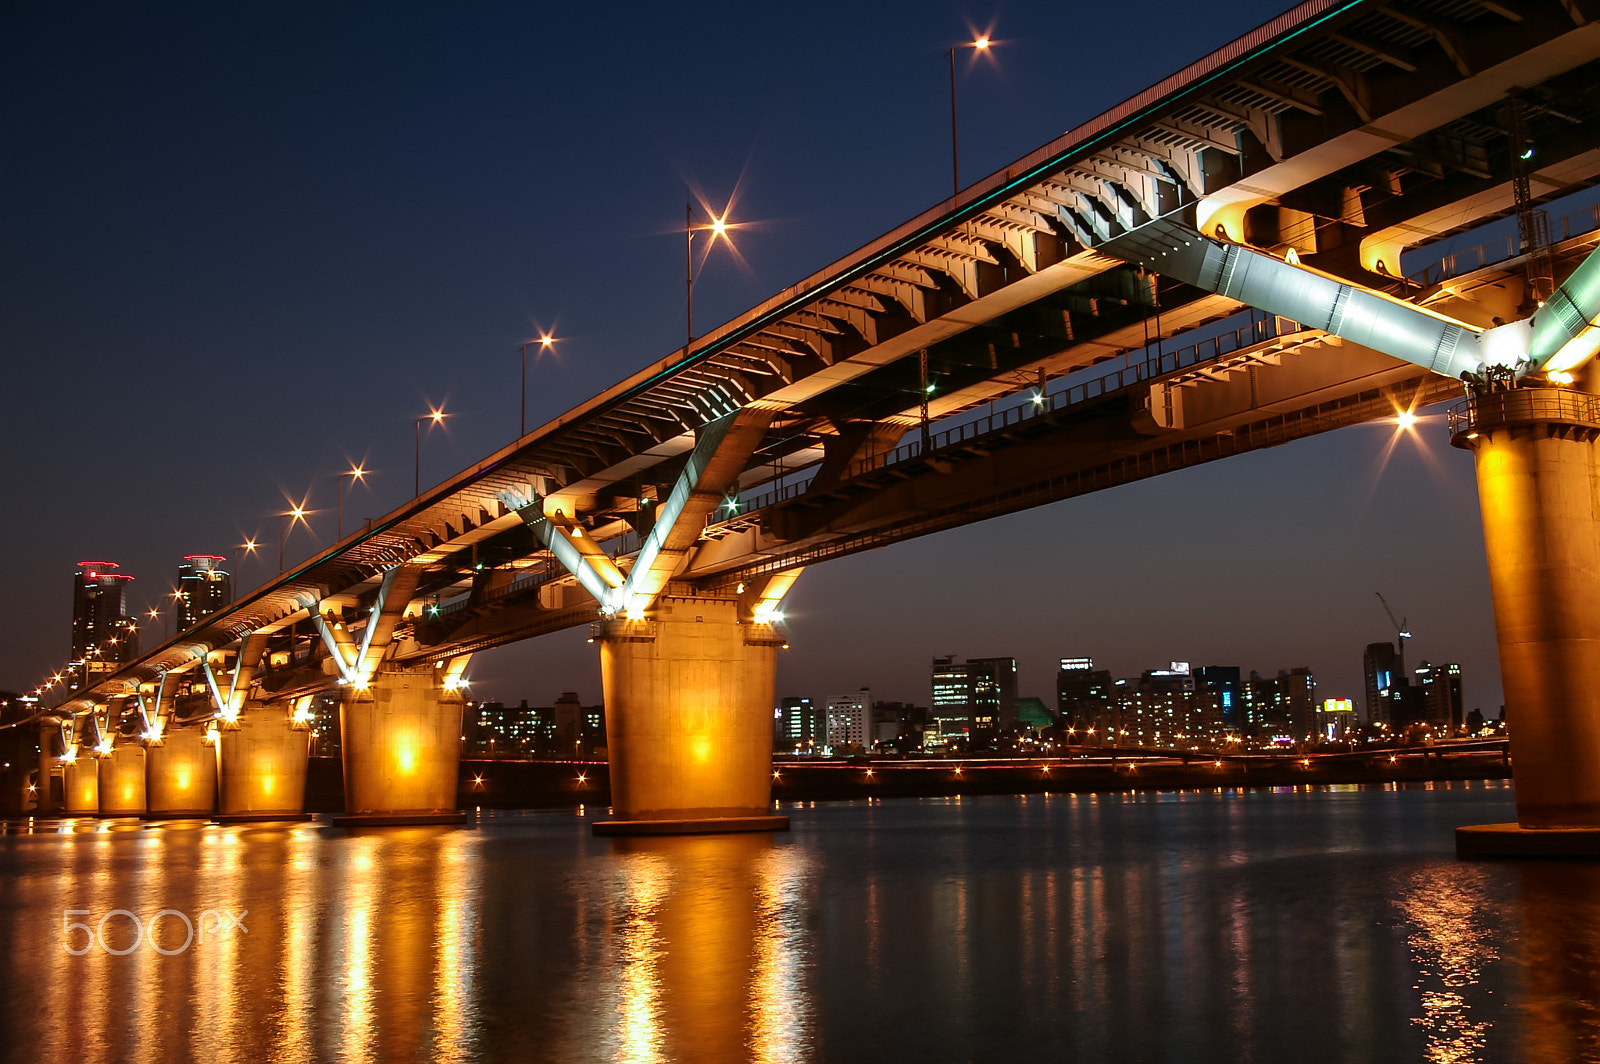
pixel 504 784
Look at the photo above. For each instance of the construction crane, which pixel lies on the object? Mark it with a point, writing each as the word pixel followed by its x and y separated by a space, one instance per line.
pixel 1402 633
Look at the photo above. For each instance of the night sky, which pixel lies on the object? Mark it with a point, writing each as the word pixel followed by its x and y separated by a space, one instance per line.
pixel 241 246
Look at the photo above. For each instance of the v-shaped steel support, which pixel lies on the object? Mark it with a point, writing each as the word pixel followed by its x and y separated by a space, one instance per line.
pixel 354 670
pixel 150 712
pixel 699 489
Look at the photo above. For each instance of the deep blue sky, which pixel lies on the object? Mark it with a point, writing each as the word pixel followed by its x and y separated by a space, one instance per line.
pixel 240 245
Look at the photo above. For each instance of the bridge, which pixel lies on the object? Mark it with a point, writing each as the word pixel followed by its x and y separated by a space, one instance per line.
pixel 1211 267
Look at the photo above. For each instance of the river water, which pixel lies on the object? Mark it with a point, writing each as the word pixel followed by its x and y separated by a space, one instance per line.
pixel 1310 924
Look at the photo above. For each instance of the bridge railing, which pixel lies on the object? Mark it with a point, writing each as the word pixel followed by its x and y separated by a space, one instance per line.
pixel 1501 248
pixel 1522 405
pixel 1074 392
pixel 1071 391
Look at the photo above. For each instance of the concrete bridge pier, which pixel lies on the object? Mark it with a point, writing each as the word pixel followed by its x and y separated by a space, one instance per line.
pixel 262 764
pixel 82 779
pixel 122 782
pixel 47 798
pixel 401 741
pixel 1537 454
pixel 180 774
pixel 688 695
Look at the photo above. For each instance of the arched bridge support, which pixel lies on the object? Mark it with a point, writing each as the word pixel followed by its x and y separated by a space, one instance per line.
pixel 1537 455
pixel 401 741
pixel 688 696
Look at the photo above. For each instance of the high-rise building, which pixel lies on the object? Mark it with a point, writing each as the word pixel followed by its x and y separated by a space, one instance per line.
pixel 973 700
pixel 1221 685
pixel 850 720
pixel 204 587
pixel 797 726
pixel 1171 708
pixel 996 691
pixel 1381 665
pixel 1300 699
pixel 1441 694
pixel 1084 698
pixel 103 636
pixel 952 702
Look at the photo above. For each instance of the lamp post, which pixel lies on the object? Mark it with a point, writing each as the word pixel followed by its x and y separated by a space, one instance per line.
pixel 285 526
pixel 434 417
pixel 545 341
pixel 716 227
pixel 982 45
pixel 355 473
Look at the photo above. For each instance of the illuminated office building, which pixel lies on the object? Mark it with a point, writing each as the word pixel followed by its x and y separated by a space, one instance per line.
pixel 973 699
pixel 850 720
pixel 797 726
pixel 1440 697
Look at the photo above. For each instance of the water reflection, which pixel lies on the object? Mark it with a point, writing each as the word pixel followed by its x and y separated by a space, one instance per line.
pixel 709 961
pixel 1452 941
pixel 1561 941
pixel 1233 927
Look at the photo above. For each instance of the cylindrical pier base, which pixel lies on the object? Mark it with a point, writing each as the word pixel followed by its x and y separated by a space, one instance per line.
pixel 264 760
pixel 181 774
pixel 1538 472
pixel 401 741
pixel 688 696
pixel 82 775
pixel 121 783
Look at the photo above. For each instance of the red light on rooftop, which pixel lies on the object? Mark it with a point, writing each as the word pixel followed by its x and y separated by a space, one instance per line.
pixel 99 565
pixel 195 557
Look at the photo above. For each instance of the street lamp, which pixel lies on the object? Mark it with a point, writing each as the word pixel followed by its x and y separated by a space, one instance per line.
pixel 545 342
pixel 247 547
pixel 981 44
pixel 355 473
pixel 433 417
pixel 286 524
pixel 716 227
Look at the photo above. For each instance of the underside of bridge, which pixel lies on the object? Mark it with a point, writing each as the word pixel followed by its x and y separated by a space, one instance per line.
pixel 1030 340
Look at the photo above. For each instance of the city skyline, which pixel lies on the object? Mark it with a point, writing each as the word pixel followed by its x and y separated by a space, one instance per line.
pixel 1240 533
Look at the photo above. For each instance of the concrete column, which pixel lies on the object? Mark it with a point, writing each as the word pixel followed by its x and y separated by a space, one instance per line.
pixel 82 776
pixel 263 765
pixel 122 780
pixel 181 774
pixel 45 799
pixel 401 742
pixel 1538 472
pixel 688 696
